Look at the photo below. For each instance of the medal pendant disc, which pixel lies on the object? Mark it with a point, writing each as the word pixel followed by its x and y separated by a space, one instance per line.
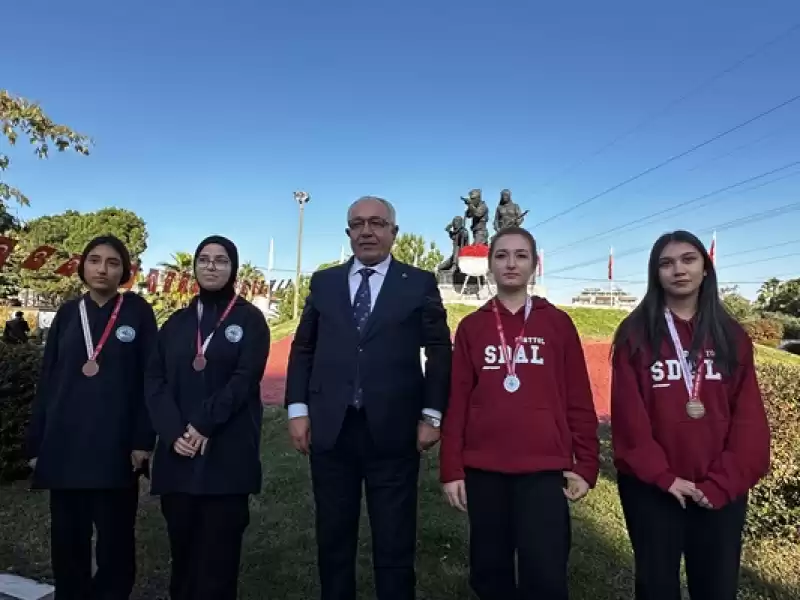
pixel 199 363
pixel 90 368
pixel 511 383
pixel 695 409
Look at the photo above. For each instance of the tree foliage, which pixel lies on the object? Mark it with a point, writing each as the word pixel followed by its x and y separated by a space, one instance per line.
pixel 69 233
pixel 20 118
pixel 780 296
pixel 285 298
pixel 412 249
pixel 737 305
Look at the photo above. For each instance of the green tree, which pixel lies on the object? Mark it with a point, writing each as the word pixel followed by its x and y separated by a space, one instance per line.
pixel 737 305
pixel 780 296
pixel 20 118
pixel 286 297
pixel 182 262
pixel 69 233
pixel 411 249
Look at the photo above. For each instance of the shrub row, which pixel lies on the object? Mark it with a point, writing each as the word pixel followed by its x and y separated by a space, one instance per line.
pixel 775 502
pixel 19 369
pixel 764 330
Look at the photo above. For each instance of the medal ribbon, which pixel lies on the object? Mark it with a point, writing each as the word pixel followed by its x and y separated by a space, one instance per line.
pixel 692 388
pixel 511 362
pixel 91 352
pixel 201 346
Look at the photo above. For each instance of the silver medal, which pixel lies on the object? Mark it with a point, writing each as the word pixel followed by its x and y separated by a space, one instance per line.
pixel 511 383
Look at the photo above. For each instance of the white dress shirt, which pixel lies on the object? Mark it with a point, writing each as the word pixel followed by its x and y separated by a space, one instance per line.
pixel 375 283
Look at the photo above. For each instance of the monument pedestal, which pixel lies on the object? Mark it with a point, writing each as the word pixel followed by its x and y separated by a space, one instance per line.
pixel 476 292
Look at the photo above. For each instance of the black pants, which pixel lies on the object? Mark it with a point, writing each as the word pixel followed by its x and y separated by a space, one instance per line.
pixel 523 514
pixel 74 515
pixel 661 532
pixel 205 540
pixel 391 489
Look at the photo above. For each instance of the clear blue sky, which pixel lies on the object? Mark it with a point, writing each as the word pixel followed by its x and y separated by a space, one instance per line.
pixel 208 115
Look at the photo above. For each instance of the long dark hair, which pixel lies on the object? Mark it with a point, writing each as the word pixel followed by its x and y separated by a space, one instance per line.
pixel 645 326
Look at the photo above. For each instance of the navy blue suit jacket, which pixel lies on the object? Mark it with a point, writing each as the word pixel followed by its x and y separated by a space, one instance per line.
pixel 328 351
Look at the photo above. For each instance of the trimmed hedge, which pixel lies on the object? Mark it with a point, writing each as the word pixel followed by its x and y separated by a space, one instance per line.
pixel 764 330
pixel 775 502
pixel 19 371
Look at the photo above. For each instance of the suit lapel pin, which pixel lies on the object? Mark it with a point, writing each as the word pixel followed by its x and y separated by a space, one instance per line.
pixel 404 275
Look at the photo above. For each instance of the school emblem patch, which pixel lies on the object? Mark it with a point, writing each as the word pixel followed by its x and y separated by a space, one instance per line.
pixel 126 333
pixel 234 334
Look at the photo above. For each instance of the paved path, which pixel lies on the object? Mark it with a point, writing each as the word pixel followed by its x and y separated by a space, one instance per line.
pixel 13 587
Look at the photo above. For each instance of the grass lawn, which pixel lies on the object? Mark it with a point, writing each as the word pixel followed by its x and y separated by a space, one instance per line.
pixel 279 555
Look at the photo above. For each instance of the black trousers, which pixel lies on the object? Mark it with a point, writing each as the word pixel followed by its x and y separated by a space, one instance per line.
pixel 662 532
pixel 338 476
pixel 205 540
pixel 527 515
pixel 74 514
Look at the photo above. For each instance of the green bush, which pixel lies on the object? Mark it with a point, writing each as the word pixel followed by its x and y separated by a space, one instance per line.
pixel 19 370
pixel 791 325
pixel 764 330
pixel 775 501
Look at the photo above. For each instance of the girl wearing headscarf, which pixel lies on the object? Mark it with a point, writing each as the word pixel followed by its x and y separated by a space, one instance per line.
pixel 690 433
pixel 90 436
pixel 203 392
pixel 519 439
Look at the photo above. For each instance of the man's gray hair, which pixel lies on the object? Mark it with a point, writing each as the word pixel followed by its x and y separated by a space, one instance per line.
pixel 392 215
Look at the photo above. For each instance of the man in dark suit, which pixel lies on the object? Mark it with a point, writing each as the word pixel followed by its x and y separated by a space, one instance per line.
pixel 361 405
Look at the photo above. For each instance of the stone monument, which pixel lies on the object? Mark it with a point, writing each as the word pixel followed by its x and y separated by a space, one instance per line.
pixel 508 213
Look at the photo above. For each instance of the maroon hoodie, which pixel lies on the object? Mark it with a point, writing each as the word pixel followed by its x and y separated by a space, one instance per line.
pixel 548 424
pixel 724 453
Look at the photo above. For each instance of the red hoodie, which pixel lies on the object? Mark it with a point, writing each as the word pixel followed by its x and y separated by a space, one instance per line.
pixel 724 453
pixel 548 424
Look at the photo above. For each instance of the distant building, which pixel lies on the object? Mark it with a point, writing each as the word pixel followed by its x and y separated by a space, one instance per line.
pixel 605 298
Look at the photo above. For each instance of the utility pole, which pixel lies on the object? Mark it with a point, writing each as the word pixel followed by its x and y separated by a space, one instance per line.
pixel 302 198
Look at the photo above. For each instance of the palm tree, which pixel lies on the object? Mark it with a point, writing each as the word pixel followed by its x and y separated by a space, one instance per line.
pixel 250 275
pixel 182 262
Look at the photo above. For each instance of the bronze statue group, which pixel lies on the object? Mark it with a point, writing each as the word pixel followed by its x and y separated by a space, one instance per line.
pixel 509 400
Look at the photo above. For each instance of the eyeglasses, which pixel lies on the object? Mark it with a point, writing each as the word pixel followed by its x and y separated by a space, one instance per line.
pixel 218 263
pixel 375 224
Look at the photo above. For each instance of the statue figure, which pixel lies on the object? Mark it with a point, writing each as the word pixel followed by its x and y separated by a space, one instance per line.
pixel 479 213
pixel 508 213
pixel 460 238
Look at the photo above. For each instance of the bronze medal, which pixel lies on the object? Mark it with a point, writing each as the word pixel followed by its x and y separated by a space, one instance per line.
pixel 199 363
pixel 90 368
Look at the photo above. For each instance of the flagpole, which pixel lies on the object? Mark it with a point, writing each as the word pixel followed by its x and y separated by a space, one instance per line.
pixel 270 265
pixel 611 276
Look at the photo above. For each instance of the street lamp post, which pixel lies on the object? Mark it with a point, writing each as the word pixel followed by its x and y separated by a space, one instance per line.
pixel 302 198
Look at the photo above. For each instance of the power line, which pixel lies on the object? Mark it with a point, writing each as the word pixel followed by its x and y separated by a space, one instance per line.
pixel 645 219
pixel 669 160
pixel 746 220
pixel 760 260
pixel 666 109
pixel 768 247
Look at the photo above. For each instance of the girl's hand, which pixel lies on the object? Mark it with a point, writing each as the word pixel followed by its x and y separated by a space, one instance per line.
pixel 456 494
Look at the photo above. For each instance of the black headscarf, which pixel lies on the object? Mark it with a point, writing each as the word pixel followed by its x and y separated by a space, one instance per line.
pixel 224 294
pixel 118 245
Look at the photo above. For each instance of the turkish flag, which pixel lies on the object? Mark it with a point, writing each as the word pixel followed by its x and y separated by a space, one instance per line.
pixel 610 264
pixel 183 283
pixel 69 268
pixel 134 272
pixel 168 281
pixel 36 259
pixel 152 281
pixel 6 248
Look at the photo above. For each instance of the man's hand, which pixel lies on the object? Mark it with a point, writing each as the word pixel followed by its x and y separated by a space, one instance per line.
pixel 139 458
pixel 185 446
pixel 576 488
pixel 682 489
pixel 456 494
pixel 198 439
pixel 300 432
pixel 427 436
pixel 32 463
